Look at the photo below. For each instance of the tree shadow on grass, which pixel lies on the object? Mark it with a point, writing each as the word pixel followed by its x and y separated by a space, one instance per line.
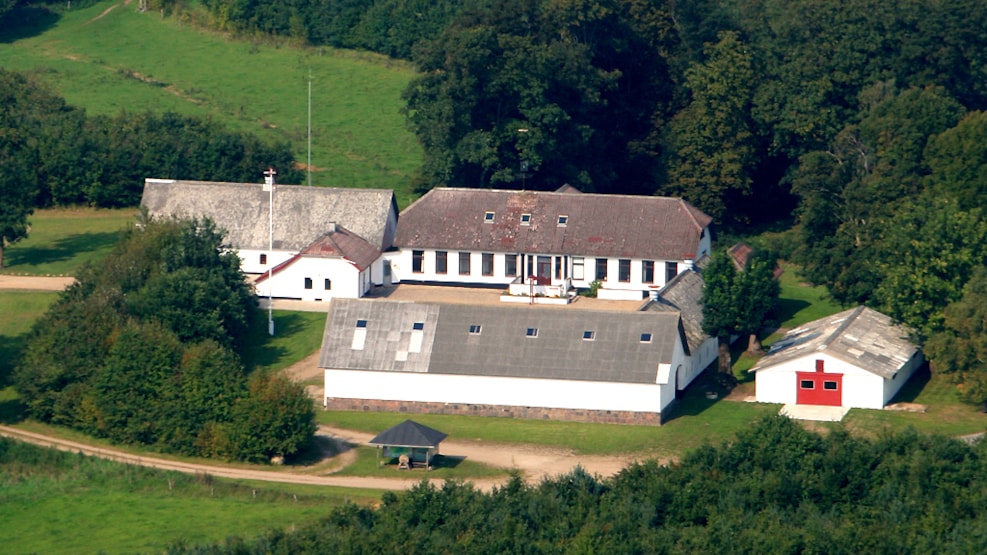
pixel 788 308
pixel 260 352
pixel 26 21
pixel 697 398
pixel 63 249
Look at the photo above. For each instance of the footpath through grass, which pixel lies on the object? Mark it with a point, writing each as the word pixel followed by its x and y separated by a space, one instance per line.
pixel 126 60
pixel 57 502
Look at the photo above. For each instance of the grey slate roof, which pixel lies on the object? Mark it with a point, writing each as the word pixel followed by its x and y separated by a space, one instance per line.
pixel 861 336
pixel 659 228
pixel 301 214
pixel 682 294
pixel 616 353
pixel 409 434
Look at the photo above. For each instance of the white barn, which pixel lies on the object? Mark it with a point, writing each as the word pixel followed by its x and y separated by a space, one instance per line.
pixel 857 358
pixel 630 244
pixel 520 361
pixel 327 242
pixel 681 295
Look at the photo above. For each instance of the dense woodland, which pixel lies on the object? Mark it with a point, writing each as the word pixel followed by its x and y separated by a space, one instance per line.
pixel 144 349
pixel 776 488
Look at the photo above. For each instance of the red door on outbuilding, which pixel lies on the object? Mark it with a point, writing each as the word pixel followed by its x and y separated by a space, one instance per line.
pixel 819 388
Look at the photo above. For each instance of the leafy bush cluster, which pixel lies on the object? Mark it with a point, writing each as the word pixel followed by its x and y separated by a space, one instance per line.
pixel 776 488
pixel 143 350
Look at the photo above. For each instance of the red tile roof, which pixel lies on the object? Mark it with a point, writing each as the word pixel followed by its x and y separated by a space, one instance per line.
pixel 343 243
pixel 596 225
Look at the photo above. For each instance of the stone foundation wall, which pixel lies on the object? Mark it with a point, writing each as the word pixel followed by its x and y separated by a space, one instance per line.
pixel 502 411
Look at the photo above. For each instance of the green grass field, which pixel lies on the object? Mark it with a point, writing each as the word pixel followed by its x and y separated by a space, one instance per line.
pixel 61 240
pixel 125 60
pixel 54 502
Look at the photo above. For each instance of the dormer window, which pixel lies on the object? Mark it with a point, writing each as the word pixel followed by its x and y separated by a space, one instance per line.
pixel 525 219
pixel 563 220
pixel 488 218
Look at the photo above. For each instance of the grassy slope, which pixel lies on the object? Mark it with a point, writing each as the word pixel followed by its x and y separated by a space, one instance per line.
pixel 127 60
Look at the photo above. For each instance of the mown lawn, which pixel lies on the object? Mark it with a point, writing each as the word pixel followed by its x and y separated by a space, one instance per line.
pixel 296 336
pixel 133 61
pixel 61 240
pixel 697 421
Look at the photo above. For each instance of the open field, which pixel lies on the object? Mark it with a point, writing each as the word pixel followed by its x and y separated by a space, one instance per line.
pixel 61 240
pixel 130 61
pixel 56 502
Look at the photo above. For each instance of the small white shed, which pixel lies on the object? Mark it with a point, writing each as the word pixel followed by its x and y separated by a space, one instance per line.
pixel 857 358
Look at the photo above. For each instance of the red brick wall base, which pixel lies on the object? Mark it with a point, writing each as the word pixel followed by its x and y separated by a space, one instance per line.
pixel 503 411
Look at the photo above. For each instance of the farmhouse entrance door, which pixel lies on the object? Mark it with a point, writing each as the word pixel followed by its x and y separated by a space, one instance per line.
pixel 819 388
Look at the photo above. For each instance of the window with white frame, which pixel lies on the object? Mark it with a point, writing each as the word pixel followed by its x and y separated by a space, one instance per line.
pixel 578 271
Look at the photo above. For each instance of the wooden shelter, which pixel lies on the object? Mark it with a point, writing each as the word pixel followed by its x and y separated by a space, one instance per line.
pixel 412 443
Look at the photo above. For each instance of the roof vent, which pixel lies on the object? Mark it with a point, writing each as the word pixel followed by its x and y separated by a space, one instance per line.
pixel 331 228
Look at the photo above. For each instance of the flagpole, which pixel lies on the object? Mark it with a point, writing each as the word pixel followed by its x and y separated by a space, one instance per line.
pixel 269 185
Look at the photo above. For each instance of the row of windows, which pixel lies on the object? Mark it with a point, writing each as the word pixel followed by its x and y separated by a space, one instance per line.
pixel 327 284
pixel 828 385
pixel 511 266
pixel 475 329
pixel 562 221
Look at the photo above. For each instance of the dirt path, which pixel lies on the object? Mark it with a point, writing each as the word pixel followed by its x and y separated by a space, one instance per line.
pixel 281 475
pixel 34 283
pixel 534 462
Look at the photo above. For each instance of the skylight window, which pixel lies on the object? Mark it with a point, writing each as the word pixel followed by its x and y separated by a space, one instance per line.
pixel 645 338
pixel 488 217
pixel 563 220
pixel 474 329
pixel 418 326
pixel 589 335
pixel 361 323
pixel 531 332
pixel 525 219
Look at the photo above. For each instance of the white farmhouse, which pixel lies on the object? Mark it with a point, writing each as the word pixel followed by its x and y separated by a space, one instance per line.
pixel 525 362
pixel 327 242
pixel 629 244
pixel 857 358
